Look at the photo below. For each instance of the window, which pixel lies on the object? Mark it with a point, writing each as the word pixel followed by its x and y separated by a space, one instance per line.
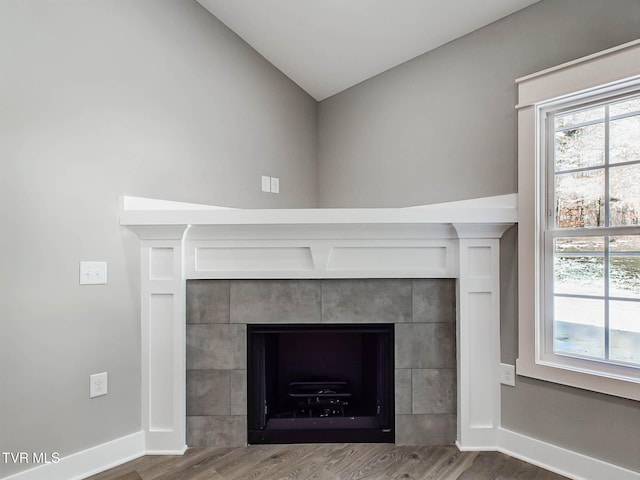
pixel 591 239
pixel 579 223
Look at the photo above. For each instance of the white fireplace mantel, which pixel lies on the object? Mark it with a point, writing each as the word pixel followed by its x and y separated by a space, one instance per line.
pixel 183 241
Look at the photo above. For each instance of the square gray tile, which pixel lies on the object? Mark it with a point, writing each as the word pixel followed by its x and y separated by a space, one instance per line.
pixel 433 391
pixel 216 346
pixel 403 390
pixel 426 429
pixel 217 431
pixel 366 301
pixel 275 301
pixel 208 301
pixel 434 300
pixel 208 392
pixel 238 382
pixel 425 345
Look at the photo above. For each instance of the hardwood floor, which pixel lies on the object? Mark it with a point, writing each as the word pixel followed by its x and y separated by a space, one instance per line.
pixel 328 462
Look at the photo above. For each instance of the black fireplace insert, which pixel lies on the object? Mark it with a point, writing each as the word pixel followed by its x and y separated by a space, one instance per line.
pixel 320 383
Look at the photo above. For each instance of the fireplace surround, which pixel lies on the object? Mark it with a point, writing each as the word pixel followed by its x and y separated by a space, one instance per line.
pixel 458 240
pixel 422 312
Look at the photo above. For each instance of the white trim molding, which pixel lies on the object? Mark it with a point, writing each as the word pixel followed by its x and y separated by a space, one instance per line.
pixel 455 240
pixel 607 71
pixel 560 460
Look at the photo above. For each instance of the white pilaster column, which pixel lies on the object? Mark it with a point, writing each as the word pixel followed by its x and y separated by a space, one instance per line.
pixel 479 335
pixel 163 339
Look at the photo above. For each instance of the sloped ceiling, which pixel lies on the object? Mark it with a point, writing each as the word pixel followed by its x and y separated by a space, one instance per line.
pixel 327 46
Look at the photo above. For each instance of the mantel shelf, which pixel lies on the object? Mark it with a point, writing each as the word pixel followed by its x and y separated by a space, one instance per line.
pixel 490 210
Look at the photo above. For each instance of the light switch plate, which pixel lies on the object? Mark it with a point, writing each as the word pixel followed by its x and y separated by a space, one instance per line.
pixel 266 183
pixel 93 273
pixel 275 185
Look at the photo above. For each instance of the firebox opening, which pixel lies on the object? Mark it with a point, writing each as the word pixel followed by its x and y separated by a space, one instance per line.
pixel 320 383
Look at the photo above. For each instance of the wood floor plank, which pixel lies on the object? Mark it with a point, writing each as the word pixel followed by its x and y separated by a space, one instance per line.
pixel 118 472
pixel 309 464
pixel 329 462
pixel 436 461
pixel 171 463
pixel 407 461
pixel 361 461
pixel 198 461
pixel 456 465
pixel 515 468
pixel 486 466
pixel 242 459
pixel 280 460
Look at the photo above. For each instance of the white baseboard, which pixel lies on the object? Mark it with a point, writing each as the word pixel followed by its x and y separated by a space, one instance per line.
pixel 88 462
pixel 116 452
pixel 559 460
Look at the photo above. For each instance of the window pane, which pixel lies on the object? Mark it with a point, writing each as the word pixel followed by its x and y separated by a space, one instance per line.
pixel 580 147
pixel 578 326
pixel 627 106
pixel 578 117
pixel 624 324
pixel 624 195
pixel 624 268
pixel 580 244
pixel 576 273
pixel 624 140
pixel 580 199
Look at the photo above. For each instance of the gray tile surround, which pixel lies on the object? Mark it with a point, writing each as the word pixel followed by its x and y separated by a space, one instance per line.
pixel 425 345
pixel 208 301
pixel 426 429
pixel 366 301
pixel 216 346
pixel 217 431
pixel 275 301
pixel 434 300
pixel 425 357
pixel 208 392
pixel 433 391
pixel 403 390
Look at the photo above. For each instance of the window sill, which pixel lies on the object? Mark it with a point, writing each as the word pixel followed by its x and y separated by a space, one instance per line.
pixel 586 381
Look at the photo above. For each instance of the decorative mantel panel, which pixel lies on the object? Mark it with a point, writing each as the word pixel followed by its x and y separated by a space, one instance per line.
pixel 455 240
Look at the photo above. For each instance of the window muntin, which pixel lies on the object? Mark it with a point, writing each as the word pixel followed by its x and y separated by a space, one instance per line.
pixel 591 269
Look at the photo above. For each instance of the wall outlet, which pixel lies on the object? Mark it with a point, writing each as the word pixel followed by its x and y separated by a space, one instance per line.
pixel 270 184
pixel 93 273
pixel 98 384
pixel 508 374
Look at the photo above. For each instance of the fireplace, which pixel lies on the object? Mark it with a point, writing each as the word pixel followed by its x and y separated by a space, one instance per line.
pixel 458 241
pixel 320 383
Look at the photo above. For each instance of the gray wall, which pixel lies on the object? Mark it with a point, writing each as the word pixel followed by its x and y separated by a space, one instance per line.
pixel 99 98
pixel 443 127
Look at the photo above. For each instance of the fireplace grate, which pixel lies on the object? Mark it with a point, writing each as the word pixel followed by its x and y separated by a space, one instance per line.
pixel 320 398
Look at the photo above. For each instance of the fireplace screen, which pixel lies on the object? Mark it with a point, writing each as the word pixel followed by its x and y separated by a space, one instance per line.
pixel 320 383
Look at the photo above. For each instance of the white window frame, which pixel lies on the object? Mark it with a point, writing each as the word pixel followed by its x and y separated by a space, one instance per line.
pixel 583 81
pixel 549 232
